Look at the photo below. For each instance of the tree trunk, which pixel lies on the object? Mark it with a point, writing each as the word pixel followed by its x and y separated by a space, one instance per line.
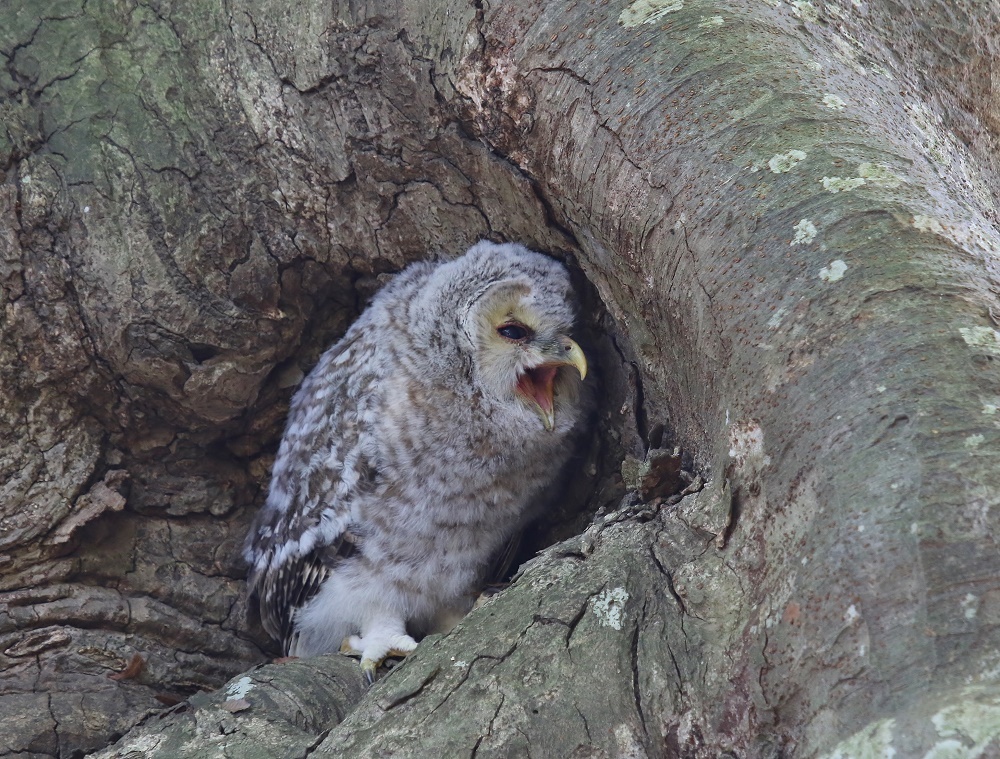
pixel 782 220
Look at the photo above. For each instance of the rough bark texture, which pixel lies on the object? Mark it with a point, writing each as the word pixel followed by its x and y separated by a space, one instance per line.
pixel 787 211
pixel 293 707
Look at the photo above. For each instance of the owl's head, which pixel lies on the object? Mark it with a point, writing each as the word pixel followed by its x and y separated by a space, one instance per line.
pixel 518 323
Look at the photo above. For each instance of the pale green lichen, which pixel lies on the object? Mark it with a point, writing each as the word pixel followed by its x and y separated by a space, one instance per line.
pixel 746 445
pixel 990 409
pixel 805 232
pixel 804 10
pixel 970 606
pixel 879 175
pixel 143 744
pixel 783 162
pixel 874 742
pixel 711 21
pixel 629 745
pixel 775 321
pixel 936 144
pixel 974 441
pixel 648 11
pixel 239 688
pixel 833 272
pixel 948 749
pixel 609 607
pixel 975 717
pixel 927 224
pixel 842 184
pixel 990 669
pixel 834 102
pixel 868 173
pixel 981 337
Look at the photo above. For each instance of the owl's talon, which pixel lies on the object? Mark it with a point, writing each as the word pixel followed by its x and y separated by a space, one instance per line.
pixel 375 648
pixel 368 667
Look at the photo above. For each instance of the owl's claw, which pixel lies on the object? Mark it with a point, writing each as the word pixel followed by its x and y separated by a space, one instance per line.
pixel 375 647
pixel 368 668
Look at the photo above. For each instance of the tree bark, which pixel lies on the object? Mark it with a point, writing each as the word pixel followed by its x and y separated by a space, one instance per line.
pixel 783 223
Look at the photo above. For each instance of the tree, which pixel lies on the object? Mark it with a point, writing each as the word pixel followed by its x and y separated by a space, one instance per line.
pixel 783 219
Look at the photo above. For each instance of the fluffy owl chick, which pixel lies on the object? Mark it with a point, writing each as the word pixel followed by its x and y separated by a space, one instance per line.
pixel 413 451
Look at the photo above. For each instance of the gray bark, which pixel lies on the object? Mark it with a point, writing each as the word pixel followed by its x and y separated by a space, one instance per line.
pixel 782 217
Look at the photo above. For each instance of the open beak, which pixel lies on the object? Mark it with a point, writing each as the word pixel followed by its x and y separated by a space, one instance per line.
pixel 537 384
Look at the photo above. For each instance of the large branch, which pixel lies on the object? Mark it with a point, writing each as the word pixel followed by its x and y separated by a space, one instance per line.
pixel 593 649
pixel 278 710
pixel 800 253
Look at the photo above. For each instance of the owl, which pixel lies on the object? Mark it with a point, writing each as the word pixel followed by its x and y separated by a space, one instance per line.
pixel 414 451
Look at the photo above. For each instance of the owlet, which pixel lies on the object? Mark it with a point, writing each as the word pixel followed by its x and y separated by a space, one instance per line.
pixel 414 451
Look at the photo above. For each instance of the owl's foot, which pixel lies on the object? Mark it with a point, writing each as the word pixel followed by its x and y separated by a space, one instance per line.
pixel 375 647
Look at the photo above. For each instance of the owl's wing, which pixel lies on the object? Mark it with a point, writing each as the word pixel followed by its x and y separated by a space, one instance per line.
pixel 502 561
pixel 323 464
pixel 287 586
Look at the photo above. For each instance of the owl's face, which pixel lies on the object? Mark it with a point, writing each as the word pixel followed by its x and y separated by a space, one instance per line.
pixel 522 349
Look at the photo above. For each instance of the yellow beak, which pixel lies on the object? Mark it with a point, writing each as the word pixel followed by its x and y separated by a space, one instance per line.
pixel 575 357
pixel 536 385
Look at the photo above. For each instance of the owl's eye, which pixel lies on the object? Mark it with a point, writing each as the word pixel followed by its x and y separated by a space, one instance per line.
pixel 518 333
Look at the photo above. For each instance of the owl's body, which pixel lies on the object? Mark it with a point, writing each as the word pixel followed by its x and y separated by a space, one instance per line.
pixel 414 450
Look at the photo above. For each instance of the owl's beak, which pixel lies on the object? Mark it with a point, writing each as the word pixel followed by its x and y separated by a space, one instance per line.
pixel 573 356
pixel 537 384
